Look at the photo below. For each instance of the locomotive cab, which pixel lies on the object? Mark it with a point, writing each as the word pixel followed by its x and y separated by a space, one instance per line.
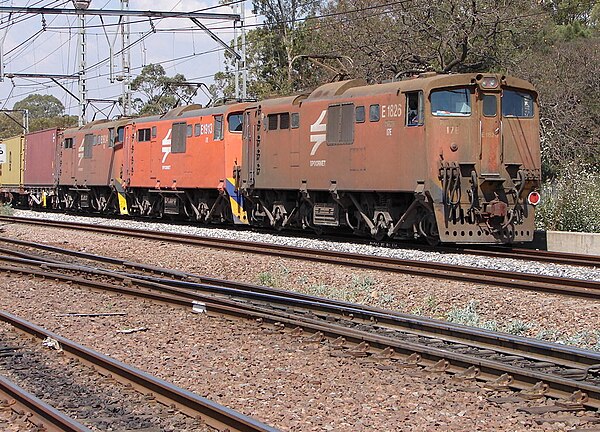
pixel 481 134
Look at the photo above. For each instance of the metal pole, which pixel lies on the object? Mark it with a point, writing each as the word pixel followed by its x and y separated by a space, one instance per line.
pixel 81 6
pixel 82 75
pixel 126 60
pixel 244 69
pixel 237 61
pixel 25 121
pixel 2 48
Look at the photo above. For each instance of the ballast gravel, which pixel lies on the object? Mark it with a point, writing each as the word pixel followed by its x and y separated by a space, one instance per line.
pixel 272 376
pixel 555 318
pixel 506 264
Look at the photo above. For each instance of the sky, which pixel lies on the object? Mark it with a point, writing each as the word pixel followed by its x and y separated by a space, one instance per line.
pixel 48 45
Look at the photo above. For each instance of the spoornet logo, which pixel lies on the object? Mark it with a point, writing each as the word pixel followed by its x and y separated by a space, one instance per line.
pixel 318 138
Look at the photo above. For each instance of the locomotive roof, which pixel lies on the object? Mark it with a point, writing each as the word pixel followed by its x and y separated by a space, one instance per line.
pixel 99 124
pixel 193 111
pixel 425 82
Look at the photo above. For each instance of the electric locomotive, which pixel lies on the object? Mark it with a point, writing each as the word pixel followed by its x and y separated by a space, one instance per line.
pixel 451 158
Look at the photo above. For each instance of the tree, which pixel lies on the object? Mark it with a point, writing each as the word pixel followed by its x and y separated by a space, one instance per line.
pixel 570 11
pixel 273 68
pixel 40 106
pixel 569 94
pixel 387 40
pixel 160 92
pixel 45 111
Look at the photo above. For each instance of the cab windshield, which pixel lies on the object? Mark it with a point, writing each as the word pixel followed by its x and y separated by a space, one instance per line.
pixel 517 104
pixel 455 102
pixel 235 122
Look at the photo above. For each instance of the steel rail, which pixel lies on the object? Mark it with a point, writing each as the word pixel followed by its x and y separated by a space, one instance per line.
pixel 215 415
pixel 45 417
pixel 502 278
pixel 563 258
pixel 560 387
pixel 538 350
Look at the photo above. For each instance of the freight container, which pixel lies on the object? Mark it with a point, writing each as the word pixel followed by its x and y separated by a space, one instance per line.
pixel 11 171
pixel 40 158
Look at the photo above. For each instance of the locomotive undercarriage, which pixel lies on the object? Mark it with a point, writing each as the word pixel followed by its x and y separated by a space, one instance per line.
pixel 191 204
pixel 367 214
pixel 482 208
pixel 196 205
pixel 84 199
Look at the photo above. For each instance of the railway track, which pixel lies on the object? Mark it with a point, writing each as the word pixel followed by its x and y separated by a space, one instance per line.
pixel 493 251
pixel 516 280
pixel 567 373
pixel 38 413
pixel 216 416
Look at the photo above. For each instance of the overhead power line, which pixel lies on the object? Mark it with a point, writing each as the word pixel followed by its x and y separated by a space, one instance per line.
pixel 119 13
pixel 82 9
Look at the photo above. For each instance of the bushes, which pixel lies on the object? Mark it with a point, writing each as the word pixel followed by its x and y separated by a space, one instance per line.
pixel 572 201
pixel 6 209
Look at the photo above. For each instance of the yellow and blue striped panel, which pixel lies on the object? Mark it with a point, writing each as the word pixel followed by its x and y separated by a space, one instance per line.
pixel 121 197
pixel 236 200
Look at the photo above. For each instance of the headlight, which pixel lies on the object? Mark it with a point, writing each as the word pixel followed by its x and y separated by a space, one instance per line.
pixel 489 83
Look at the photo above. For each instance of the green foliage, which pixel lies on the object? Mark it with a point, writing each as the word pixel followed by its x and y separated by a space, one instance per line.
pixel 271 50
pixel 583 339
pixel 6 209
pixel 160 93
pixel 45 112
pixel 468 315
pixel 267 279
pixel 595 16
pixel 571 202
pixel 573 30
pixel 41 106
pixel 518 327
pixel 570 11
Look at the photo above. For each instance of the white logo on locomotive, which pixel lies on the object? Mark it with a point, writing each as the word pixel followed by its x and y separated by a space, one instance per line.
pixel 80 154
pixel 166 149
pixel 318 138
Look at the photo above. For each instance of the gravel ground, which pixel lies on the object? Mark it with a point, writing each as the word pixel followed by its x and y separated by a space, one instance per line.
pixel 556 318
pixel 271 376
pixel 94 400
pixel 586 273
pixel 11 422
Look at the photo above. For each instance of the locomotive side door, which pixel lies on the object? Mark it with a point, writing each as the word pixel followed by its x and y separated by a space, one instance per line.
pixel 490 134
pixel 250 147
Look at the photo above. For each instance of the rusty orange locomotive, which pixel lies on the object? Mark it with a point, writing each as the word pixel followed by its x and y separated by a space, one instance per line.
pixel 451 158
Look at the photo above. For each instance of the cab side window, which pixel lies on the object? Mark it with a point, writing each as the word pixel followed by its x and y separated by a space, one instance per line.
pixel 374 113
pixel 414 109
pixel 120 135
pixel 111 137
pixel 218 129
pixel 143 135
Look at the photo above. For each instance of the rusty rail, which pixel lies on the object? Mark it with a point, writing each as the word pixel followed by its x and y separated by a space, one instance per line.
pixel 44 416
pixel 238 290
pixel 531 255
pixel 506 279
pixel 560 387
pixel 215 415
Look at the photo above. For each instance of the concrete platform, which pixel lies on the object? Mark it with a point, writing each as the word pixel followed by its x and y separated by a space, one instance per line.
pixel 563 241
